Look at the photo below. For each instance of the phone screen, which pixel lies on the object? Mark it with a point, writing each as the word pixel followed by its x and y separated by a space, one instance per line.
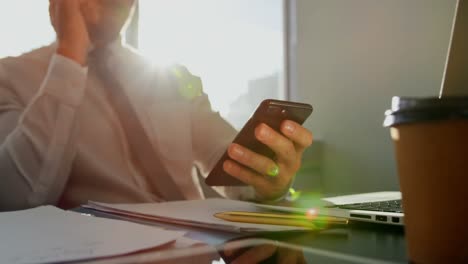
pixel 271 112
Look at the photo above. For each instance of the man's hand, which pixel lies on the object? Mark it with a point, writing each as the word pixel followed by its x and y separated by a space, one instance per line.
pixel 70 26
pixel 270 178
pixel 262 254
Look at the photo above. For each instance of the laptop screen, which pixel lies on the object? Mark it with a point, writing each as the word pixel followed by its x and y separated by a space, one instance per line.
pixel 455 81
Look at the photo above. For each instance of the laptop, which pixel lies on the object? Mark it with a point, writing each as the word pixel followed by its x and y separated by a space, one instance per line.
pixel 386 207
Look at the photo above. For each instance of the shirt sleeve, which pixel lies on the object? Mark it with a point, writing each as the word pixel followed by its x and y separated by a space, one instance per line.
pixel 38 141
pixel 211 135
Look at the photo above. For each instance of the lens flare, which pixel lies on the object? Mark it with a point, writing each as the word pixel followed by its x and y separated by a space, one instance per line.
pixel 190 86
pixel 293 194
pixel 312 213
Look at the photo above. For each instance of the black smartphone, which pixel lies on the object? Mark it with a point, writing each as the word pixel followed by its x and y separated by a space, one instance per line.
pixel 271 112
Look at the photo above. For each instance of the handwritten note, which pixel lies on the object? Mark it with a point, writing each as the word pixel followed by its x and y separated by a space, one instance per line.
pixel 48 234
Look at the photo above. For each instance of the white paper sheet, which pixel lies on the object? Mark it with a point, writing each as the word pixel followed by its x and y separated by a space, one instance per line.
pixel 198 213
pixel 49 234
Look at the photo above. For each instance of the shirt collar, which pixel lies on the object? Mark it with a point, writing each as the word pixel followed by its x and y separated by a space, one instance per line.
pixel 112 46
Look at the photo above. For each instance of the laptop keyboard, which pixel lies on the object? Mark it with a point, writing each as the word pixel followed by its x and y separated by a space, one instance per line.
pixel 393 206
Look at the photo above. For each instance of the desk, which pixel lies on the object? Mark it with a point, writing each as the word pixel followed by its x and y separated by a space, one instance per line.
pixel 374 241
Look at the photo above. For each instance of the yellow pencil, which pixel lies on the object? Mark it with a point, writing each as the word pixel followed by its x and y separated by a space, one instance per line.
pixel 317 222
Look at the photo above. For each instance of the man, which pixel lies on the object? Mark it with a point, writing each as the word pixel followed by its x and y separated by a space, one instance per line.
pixel 64 138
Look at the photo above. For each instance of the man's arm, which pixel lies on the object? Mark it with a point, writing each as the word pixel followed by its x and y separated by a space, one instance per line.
pixel 211 136
pixel 37 143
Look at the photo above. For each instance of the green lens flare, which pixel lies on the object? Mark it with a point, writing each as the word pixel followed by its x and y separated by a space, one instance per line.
pixel 189 86
pixel 293 194
pixel 273 171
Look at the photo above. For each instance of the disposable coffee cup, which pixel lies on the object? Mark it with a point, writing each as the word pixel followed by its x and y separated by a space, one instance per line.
pixel 430 136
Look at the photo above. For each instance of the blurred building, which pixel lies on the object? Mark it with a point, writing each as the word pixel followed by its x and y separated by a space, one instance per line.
pixel 259 89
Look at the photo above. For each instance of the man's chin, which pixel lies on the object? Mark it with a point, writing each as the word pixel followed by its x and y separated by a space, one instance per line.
pixel 101 43
pixel 102 40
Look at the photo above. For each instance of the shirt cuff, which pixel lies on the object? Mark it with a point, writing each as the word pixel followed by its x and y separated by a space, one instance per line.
pixel 65 80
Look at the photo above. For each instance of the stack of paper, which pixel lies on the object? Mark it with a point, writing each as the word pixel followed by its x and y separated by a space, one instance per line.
pixel 198 213
pixel 48 234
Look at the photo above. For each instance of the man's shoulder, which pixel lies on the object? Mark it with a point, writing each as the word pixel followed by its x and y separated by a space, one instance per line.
pixel 36 60
pixel 21 75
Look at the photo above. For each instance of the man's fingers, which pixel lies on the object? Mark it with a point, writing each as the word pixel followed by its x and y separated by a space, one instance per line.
pixel 287 256
pixel 282 146
pixel 297 133
pixel 251 168
pixel 266 188
pixel 245 175
pixel 256 254
pixel 250 159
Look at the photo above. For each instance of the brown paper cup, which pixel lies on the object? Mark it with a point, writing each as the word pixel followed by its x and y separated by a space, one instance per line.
pixel 431 147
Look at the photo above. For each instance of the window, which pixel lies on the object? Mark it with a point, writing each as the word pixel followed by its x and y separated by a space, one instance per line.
pixel 25 25
pixel 235 46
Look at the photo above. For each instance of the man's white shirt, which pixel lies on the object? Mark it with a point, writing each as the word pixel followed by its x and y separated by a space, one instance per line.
pixel 62 143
